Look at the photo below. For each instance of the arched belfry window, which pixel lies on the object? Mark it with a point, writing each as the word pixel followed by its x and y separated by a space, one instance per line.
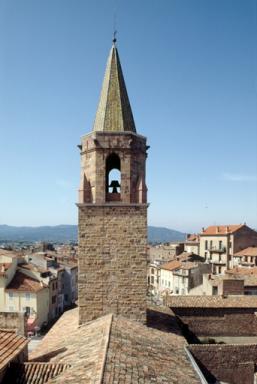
pixel 113 178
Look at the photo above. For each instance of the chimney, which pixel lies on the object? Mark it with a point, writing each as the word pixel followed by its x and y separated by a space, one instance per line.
pixel 217 229
pixel 202 229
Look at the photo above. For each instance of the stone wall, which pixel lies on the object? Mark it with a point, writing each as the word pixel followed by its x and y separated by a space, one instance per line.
pixel 112 261
pixel 13 320
pixel 218 321
pixel 234 364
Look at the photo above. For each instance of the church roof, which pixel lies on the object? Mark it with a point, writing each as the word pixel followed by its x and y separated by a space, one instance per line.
pixel 113 349
pixel 114 111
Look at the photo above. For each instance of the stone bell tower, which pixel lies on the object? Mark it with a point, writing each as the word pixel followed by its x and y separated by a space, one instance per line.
pixel 113 207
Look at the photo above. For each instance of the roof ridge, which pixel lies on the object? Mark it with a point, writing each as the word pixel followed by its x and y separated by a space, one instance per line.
pixel 105 348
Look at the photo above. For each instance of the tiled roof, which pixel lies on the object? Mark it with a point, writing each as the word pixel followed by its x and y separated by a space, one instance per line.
pixel 250 251
pixel 232 301
pixel 21 282
pixel 193 238
pixel 171 265
pixel 5 252
pixel 114 111
pixel 11 345
pixel 242 271
pixel 33 267
pixel 115 350
pixel 188 265
pixel 33 373
pixel 221 229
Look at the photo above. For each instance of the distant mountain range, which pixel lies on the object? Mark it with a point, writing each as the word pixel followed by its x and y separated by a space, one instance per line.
pixel 68 233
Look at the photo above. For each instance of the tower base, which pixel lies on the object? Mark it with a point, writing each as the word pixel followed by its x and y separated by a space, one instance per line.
pixel 112 261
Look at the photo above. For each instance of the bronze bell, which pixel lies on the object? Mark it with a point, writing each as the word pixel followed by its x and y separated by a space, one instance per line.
pixel 114 185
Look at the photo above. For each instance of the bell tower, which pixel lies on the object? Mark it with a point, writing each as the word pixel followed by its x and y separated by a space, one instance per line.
pixel 113 207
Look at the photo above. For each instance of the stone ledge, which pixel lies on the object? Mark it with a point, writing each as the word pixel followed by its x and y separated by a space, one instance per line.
pixel 111 204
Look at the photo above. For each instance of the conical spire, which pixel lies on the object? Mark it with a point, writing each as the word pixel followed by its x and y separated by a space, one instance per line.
pixel 114 111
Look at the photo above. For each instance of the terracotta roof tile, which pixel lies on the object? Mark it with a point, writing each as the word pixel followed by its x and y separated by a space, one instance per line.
pixel 242 271
pixel 193 238
pixel 250 251
pixel 221 229
pixel 21 282
pixel 171 265
pixel 115 350
pixel 232 301
pixel 33 373
pixel 11 345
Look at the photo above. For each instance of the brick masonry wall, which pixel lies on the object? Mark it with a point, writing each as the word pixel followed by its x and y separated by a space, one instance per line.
pixel 112 261
pixel 234 364
pixel 233 287
pixel 13 320
pixel 218 321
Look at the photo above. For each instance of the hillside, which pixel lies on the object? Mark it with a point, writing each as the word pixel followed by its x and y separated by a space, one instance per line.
pixel 68 233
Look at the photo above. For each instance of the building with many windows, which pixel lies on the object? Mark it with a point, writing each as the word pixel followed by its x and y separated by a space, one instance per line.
pixel 218 243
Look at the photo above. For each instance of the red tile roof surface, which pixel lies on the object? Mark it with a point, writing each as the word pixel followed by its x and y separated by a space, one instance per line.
pixel 250 251
pixel 21 282
pixel 171 265
pixel 221 229
pixel 33 373
pixel 10 346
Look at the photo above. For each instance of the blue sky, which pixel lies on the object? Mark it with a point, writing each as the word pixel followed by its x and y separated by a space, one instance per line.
pixel 190 69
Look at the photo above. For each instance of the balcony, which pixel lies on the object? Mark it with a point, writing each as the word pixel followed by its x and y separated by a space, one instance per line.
pixel 217 249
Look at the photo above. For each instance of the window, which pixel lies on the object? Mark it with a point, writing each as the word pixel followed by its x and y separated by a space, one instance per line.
pixel 211 244
pixel 169 284
pixel 53 299
pixel 205 255
pixel 10 296
pixel 152 271
pixel 214 290
pixel 27 310
pixel 152 279
pixel 162 282
pixel 220 244
pixel 66 297
pixel 27 296
pixel 206 244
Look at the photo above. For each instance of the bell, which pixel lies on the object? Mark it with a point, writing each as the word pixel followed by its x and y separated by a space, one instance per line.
pixel 114 185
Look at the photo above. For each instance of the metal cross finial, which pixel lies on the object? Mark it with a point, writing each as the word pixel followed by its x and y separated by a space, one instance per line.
pixel 114 37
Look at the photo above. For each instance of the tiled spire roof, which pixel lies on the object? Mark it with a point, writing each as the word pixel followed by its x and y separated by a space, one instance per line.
pixel 114 111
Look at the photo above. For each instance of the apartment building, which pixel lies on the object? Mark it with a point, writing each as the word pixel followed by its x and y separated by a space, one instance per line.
pixel 218 243
pixel 246 257
pixel 192 243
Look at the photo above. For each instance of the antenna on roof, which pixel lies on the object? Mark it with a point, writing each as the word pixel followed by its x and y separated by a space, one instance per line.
pixel 114 25
pixel 114 37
